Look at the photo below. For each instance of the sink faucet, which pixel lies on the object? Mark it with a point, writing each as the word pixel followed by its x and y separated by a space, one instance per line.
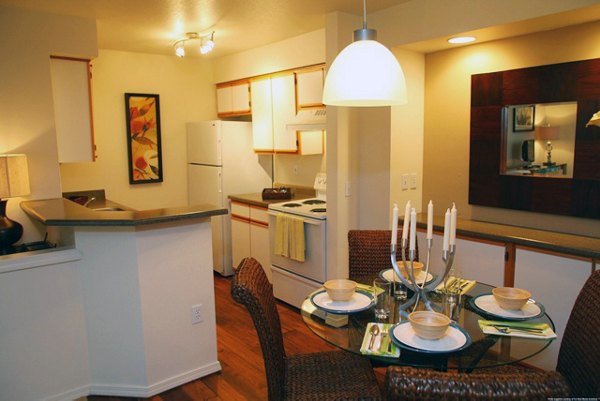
pixel 90 200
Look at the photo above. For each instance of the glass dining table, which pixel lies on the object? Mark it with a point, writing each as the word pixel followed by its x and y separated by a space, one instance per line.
pixel 484 351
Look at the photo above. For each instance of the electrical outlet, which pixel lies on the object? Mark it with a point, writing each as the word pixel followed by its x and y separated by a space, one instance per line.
pixel 404 181
pixel 197 314
pixel 348 189
pixel 295 169
pixel 413 180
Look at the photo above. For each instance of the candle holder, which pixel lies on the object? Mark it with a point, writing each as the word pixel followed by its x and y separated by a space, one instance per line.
pixel 420 291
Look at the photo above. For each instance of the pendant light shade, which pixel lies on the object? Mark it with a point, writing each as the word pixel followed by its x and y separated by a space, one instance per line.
pixel 365 74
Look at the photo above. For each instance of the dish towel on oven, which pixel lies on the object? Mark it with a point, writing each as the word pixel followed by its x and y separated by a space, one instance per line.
pixel 289 237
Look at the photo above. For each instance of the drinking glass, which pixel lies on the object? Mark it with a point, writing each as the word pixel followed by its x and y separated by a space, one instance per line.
pixel 400 291
pixel 382 293
pixel 451 303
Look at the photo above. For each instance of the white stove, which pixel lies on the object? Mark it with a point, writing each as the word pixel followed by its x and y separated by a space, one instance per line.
pixel 314 208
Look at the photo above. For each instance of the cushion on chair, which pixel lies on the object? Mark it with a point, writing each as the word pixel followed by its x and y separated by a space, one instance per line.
pixel 330 375
pixel 411 384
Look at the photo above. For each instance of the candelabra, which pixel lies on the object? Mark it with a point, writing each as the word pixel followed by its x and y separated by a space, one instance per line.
pixel 420 291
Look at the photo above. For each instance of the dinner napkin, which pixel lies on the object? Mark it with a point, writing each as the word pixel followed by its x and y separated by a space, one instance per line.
pixel 465 284
pixel 383 345
pixel 487 326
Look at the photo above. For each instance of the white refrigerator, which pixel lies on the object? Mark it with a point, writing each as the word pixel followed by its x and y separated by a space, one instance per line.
pixel 222 162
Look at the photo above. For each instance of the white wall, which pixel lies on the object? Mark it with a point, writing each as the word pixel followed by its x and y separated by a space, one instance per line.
pixel 186 91
pixel 26 106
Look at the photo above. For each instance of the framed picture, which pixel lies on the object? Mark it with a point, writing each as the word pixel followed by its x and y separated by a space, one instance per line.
pixel 523 118
pixel 143 138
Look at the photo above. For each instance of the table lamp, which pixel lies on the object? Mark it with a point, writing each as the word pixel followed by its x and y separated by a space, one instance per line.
pixel 547 133
pixel 14 181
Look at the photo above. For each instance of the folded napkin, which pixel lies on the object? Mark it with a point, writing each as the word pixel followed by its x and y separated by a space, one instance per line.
pixel 462 283
pixel 494 327
pixel 383 345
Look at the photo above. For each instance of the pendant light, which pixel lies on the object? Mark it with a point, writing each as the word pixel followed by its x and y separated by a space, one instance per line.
pixel 365 73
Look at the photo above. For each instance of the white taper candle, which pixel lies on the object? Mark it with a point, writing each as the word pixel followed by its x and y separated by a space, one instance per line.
pixel 446 230
pixel 453 225
pixel 395 225
pixel 406 221
pixel 430 220
pixel 413 229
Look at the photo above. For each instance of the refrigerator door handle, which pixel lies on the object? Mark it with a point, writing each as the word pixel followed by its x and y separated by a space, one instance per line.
pixel 220 182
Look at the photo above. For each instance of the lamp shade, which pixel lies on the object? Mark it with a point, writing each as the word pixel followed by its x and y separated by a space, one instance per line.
pixel 546 132
pixel 14 176
pixel 595 120
pixel 365 74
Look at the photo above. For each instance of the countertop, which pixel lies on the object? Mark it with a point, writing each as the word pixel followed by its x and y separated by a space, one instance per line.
pixel 587 247
pixel 63 212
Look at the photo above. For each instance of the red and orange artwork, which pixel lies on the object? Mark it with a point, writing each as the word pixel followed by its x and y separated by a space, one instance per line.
pixel 143 130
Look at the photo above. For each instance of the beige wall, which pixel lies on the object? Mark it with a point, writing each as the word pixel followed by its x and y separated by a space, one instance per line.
pixel 447 116
pixel 26 106
pixel 186 93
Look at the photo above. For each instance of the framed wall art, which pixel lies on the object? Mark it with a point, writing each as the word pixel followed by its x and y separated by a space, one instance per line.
pixel 523 118
pixel 143 138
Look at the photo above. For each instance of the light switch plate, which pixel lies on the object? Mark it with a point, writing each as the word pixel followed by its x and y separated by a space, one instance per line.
pixel 404 182
pixel 413 180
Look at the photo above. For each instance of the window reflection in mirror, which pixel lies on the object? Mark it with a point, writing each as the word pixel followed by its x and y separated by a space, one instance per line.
pixel 533 130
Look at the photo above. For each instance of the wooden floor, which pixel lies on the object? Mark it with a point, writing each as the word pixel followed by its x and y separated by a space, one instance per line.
pixel 242 376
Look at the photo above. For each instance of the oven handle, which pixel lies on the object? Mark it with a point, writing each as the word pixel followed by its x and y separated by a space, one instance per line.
pixel 314 222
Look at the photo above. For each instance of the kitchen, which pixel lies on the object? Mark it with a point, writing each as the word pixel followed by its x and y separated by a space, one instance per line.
pixel 349 162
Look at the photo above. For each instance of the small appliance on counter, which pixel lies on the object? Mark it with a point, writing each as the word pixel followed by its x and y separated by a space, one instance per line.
pixel 276 193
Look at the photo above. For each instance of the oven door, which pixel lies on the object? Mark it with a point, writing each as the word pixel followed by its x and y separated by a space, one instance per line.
pixel 314 266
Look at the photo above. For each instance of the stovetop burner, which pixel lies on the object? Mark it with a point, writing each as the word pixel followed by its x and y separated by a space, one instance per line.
pixel 313 208
pixel 313 202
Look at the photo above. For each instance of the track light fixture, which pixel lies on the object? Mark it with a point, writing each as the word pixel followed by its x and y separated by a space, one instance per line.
pixel 207 43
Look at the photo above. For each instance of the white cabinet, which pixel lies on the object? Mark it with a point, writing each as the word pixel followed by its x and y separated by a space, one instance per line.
pixel 309 89
pixel 273 105
pixel 72 109
pixel 233 99
pixel 311 142
pixel 250 235
pixel 554 281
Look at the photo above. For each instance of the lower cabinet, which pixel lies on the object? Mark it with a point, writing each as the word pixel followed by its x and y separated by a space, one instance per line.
pixel 250 234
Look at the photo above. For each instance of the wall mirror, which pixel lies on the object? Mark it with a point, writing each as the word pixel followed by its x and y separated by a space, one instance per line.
pixel 514 114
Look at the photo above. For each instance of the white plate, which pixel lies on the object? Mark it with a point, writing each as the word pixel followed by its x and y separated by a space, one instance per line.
pixel 389 275
pixel 454 340
pixel 487 303
pixel 361 300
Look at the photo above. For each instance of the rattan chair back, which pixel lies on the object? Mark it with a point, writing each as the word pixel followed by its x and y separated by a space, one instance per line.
pixel 369 253
pixel 579 356
pixel 252 289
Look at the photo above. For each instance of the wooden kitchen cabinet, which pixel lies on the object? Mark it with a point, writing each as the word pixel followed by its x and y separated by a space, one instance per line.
pixel 309 88
pixel 273 105
pixel 233 99
pixel 71 93
pixel 250 234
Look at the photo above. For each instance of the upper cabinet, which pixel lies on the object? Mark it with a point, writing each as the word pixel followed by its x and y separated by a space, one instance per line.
pixel 309 88
pixel 71 92
pixel 277 101
pixel 273 105
pixel 233 99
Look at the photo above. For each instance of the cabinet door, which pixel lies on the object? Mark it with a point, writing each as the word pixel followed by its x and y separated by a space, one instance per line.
pixel 259 238
pixel 224 100
pixel 310 142
pixel 555 282
pixel 240 232
pixel 240 98
pixel 284 109
pixel 309 89
pixel 72 109
pixel 262 111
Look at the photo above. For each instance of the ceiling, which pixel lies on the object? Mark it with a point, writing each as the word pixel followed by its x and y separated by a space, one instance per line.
pixel 152 26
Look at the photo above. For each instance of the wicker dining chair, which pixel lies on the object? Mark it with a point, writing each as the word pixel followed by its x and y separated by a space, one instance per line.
pixel 577 371
pixel 328 375
pixel 369 253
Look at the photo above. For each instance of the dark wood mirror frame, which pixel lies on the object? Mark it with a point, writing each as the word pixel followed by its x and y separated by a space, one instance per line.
pixel 575 81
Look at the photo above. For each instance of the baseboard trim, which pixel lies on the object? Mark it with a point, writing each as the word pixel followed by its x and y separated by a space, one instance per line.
pixel 155 388
pixel 72 394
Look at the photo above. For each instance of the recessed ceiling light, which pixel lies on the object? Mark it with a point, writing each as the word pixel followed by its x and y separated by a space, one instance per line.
pixel 461 39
